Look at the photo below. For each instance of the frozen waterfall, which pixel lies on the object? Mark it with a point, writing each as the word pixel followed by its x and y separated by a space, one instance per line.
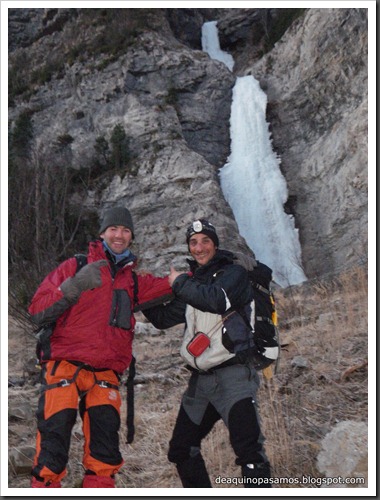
pixel 251 180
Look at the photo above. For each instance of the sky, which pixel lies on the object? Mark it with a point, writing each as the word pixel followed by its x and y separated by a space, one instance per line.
pixel 251 180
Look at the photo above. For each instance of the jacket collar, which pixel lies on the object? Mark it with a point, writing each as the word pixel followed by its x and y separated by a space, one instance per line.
pixel 96 249
pixel 221 258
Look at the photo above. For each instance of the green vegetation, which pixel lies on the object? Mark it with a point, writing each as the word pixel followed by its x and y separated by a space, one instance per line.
pixel 21 136
pixel 280 25
pixel 17 79
pixel 102 150
pixel 113 156
pixel 119 147
pixel 45 73
pixel 172 96
pixel 64 140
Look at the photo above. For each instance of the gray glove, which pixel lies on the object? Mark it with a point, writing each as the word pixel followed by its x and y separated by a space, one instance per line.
pixel 86 279
pixel 245 260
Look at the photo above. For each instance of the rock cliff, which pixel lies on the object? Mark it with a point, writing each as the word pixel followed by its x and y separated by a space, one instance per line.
pixel 174 104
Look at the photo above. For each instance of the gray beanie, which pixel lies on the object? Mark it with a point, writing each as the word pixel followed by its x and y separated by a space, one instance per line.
pixel 117 216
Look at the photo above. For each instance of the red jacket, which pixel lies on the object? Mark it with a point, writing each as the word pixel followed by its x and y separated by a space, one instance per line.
pixel 85 332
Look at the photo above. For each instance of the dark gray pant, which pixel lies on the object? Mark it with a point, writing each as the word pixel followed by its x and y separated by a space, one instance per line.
pixel 228 393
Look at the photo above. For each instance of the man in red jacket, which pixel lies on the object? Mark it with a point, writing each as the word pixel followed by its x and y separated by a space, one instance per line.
pixel 90 347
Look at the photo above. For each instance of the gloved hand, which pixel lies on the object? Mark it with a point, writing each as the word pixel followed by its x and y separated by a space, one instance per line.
pixel 245 260
pixel 86 279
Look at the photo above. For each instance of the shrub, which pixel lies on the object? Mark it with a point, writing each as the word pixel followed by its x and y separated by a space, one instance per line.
pixel 280 25
pixel 119 148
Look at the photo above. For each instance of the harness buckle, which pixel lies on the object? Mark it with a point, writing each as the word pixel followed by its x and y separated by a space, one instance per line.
pixel 103 384
pixel 64 382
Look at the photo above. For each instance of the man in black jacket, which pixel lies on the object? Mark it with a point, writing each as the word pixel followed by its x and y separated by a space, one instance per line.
pixel 212 300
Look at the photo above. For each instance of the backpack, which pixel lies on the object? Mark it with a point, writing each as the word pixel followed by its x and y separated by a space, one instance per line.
pixel 260 317
pixel 264 320
pixel 44 333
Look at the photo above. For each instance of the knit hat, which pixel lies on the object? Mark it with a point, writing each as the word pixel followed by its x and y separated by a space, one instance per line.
pixel 202 226
pixel 118 216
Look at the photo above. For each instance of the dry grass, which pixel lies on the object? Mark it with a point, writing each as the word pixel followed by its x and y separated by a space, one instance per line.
pixel 325 322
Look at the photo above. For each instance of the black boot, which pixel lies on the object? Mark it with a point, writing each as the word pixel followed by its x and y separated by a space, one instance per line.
pixel 193 473
pixel 256 475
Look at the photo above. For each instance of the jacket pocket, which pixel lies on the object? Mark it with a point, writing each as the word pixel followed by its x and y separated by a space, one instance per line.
pixel 121 311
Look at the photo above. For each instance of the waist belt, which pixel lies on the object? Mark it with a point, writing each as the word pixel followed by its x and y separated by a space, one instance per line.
pixel 89 367
pixel 229 362
pixel 80 366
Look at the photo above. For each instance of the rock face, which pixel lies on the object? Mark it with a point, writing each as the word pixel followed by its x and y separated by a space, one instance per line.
pixel 344 454
pixel 174 105
pixel 316 82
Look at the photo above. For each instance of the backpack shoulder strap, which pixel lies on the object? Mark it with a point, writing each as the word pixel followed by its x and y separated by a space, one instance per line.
pixel 130 400
pixel 135 288
pixel 81 261
pixel 132 374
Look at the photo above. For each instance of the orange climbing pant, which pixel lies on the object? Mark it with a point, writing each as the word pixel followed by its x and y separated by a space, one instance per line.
pixel 67 387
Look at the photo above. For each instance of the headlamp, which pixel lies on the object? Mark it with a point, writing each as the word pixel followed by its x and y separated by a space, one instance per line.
pixel 202 226
pixel 197 226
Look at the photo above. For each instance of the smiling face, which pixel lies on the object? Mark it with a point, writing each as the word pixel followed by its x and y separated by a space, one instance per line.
pixel 118 238
pixel 202 248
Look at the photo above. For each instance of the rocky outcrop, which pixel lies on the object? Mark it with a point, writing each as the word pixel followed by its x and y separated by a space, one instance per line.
pixel 174 105
pixel 344 455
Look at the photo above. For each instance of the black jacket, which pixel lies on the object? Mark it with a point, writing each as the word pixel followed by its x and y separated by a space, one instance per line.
pixel 212 294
